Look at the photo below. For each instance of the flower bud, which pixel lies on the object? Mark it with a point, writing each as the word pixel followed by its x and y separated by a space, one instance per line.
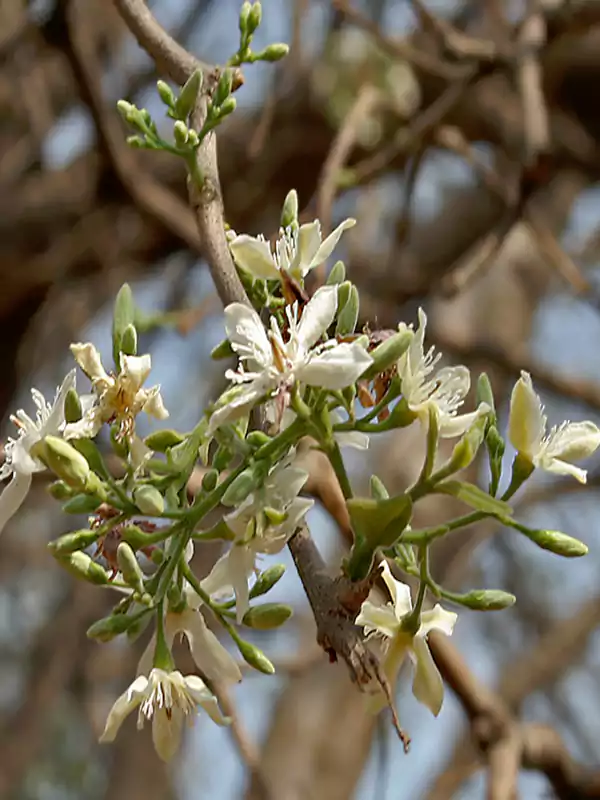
pixel 136 142
pixel 129 341
pixel 223 89
pixel 66 462
pixel 73 411
pixel 254 18
pixel 257 439
pixel 244 14
pixel 71 542
pixel 485 599
pixel 289 211
pixel 484 392
pixel 246 482
pixel 107 628
pixel 184 105
pixel 222 457
pixel 82 504
pixel 149 500
pixel 267 616
pixel 348 316
pixel 123 315
pixel 127 110
pixel 134 536
pixel 222 350
pixel 255 657
pixel 274 52
pixel 59 490
pixel 386 354
pixel 165 93
pixel 161 441
pixel 180 133
pixel 337 274
pixel 378 490
pixel 556 542
pixel 210 479
pixel 81 565
pixel 227 107
pixel 266 580
pixel 130 568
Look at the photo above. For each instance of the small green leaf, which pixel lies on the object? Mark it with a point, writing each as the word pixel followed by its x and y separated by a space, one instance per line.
pixel 474 497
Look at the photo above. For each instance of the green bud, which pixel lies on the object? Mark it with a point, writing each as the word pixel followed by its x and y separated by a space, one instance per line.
pixel 484 391
pixel 255 657
pixel 126 110
pixel 386 354
pixel 227 107
pixel 246 482
pixel 556 542
pixel 222 458
pixel 73 410
pixel 157 556
pixel 71 542
pixel 66 462
pixel 244 13
pixel 337 274
pixel 165 93
pixel 289 211
pixel 378 490
pixel 496 447
pixel 149 500
pixel 107 628
pixel 266 580
pixel 348 316
pixel 210 479
pixel 184 105
pixel 81 565
pixel 89 450
pixel 145 116
pixel 129 341
pixel 162 440
pixel 267 616
pixel 274 52
pixel 193 138
pixel 136 142
pixel 223 89
pixel 130 568
pixel 175 598
pixel 343 295
pixel 254 17
pixel 59 490
pixel 257 439
pixel 222 350
pixel 180 133
pixel 123 315
pixel 485 599
pixel 82 504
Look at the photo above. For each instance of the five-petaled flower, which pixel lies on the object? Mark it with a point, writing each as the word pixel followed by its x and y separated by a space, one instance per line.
pixel 166 698
pixel 271 364
pixel 552 451
pixel 117 398
pixel 386 620
pixel 20 460
pixel 297 251
pixel 443 391
pixel 263 523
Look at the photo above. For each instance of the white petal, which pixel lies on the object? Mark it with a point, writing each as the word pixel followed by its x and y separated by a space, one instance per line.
pixel 147 658
pixel 205 698
pixel 328 246
pixel 379 619
pixel 88 358
pixel 247 334
pixel 428 686
pixel 452 426
pixel 135 370
pixel 437 619
pixel 317 316
pixel 56 417
pixel 218 580
pixel 236 407
pixel 254 256
pixel 13 496
pixel 241 566
pixel 572 441
pixel 154 405
pixel 309 240
pixel 123 706
pixel 356 439
pixel 208 653
pixel 399 592
pixel 336 367
pixel 558 467
pixel 285 484
pixel 527 423
pixel 166 732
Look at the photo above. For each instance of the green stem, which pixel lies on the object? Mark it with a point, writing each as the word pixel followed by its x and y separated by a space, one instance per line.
pixel 332 451
pixel 163 658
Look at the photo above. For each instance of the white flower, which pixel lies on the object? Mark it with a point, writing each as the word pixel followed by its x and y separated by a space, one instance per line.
pixel 386 621
pixel 255 533
pixel 553 451
pixel 296 252
pixel 444 391
pixel 270 364
pixel 166 698
pixel 118 397
pixel 20 463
